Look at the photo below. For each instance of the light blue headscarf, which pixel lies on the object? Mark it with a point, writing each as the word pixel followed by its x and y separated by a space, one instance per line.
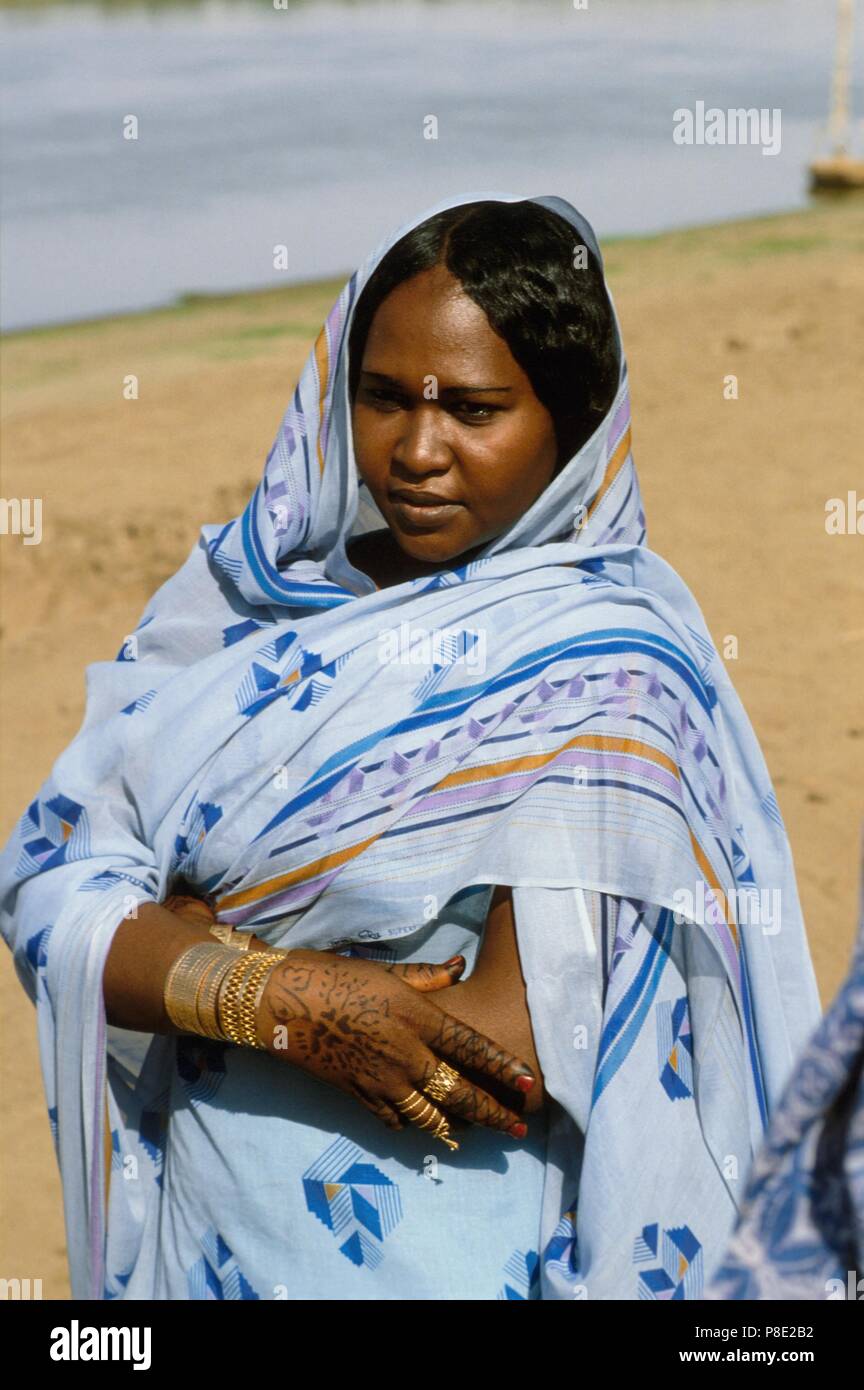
pixel 324 761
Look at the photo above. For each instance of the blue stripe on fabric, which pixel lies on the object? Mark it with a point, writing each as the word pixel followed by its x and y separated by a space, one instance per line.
pixel 320 595
pixel 656 959
pixel 310 794
pixel 426 717
pixel 305 446
pixel 625 1006
pixel 457 816
pixel 611 632
pixel 249 551
pixel 752 1048
pixel 599 641
pixel 547 777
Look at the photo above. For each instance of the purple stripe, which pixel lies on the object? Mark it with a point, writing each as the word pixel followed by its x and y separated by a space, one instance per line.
pixel 293 897
pixel 287 899
pixel 620 762
pixel 724 936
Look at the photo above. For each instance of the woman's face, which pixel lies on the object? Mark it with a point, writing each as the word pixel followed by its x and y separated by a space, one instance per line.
pixel 443 411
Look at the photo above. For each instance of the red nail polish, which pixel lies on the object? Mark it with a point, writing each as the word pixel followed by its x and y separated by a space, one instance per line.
pixel 524 1082
pixel 518 1130
pixel 454 960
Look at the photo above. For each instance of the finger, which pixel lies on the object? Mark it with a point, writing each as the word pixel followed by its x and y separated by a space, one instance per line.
pixel 423 1113
pixel 475 1105
pixel 379 1106
pixel 425 977
pixel 465 1048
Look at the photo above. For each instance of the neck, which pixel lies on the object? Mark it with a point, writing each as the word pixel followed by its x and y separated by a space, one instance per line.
pixel 379 555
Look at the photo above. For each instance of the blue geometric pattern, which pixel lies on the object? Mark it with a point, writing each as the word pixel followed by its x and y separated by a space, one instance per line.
pixel 353 1199
pixel 151 1132
pixel 196 827
pixel 109 878
pixel 37 949
pixel 522 1276
pixel 562 1247
pixel 675 1048
pixel 679 1274
pixel 115 1285
pixel 55 832
pixel 305 684
pixel 237 631
pixel 142 702
pixel 200 1066
pixel 217 1275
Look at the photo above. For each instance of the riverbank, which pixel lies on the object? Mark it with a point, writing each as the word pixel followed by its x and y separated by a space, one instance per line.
pixel 735 493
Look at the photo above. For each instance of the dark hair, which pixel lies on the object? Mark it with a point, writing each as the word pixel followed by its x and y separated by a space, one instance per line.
pixel 516 261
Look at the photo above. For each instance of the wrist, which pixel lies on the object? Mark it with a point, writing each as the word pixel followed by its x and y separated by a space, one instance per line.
pixel 274 1013
pixel 213 990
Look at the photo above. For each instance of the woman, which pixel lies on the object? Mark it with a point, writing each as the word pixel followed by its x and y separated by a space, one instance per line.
pixel 372 728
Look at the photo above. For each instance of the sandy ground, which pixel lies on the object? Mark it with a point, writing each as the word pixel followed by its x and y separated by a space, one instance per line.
pixel 735 493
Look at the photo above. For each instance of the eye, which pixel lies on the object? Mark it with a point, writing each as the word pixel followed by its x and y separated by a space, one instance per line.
pixel 382 397
pixel 475 410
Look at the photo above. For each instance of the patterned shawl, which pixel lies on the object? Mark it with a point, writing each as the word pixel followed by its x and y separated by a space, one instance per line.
pixel 330 763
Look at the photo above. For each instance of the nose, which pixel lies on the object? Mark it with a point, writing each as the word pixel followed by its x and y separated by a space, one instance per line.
pixel 422 446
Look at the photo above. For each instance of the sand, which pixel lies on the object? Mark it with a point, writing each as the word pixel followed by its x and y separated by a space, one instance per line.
pixel 735 493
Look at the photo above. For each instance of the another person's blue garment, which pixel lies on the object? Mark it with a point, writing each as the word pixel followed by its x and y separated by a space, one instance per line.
pixel 800 1234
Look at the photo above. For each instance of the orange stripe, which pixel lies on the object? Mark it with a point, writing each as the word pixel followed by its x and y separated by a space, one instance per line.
pixel 322 360
pixel 464 776
pixel 605 743
pixel 616 463
pixel 274 885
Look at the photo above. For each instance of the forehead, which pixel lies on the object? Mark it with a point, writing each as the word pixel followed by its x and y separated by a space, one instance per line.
pixel 430 323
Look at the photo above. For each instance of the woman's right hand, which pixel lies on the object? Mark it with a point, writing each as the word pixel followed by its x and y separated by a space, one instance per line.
pixel 361 1028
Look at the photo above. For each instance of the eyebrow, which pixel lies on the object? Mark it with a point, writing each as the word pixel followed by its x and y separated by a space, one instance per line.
pixel 445 390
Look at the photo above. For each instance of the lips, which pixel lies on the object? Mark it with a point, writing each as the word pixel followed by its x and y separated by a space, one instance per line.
pixel 422 499
pixel 422 510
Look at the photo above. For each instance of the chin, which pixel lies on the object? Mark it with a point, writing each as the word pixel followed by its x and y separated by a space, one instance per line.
pixel 434 546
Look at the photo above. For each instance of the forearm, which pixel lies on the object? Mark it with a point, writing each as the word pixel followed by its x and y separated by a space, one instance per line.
pixel 142 953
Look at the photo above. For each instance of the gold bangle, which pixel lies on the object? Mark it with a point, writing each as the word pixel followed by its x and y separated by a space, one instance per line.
pixel 230 988
pixel 235 1007
pixel 229 936
pixel 250 997
pixel 208 993
pixel 183 982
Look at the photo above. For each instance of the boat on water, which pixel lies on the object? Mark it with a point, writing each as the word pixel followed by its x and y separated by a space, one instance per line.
pixel 839 169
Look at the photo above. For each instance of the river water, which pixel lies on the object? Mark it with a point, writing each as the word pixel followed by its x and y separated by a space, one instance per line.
pixel 307 127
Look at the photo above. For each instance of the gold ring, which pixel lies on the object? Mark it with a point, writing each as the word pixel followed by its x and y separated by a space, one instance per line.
pixel 442 1081
pixel 438 1127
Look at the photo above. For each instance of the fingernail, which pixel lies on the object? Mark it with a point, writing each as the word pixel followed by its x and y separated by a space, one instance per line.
pixel 454 961
pixel 518 1130
pixel 524 1082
